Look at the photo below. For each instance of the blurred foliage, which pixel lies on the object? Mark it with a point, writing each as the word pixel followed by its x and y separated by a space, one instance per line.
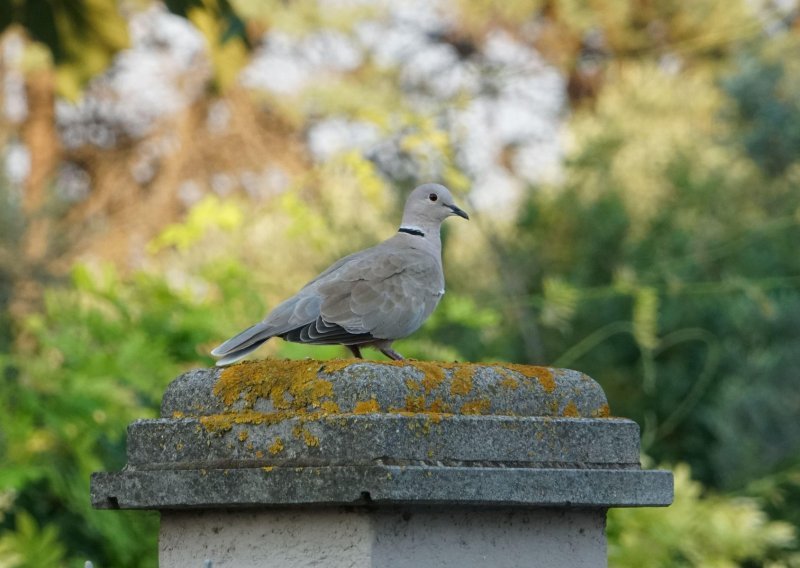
pixel 225 33
pixel 677 314
pixel 98 357
pixel 697 530
pixel 766 104
pixel 663 262
pixel 81 35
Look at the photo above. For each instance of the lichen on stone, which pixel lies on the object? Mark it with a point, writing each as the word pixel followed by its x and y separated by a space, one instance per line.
pixel 461 382
pixel 302 433
pixel 276 447
pixel 603 411
pixel 543 375
pixel 570 410
pixel 477 406
pixel 271 391
pixel 288 384
pixel 366 407
pixel 508 381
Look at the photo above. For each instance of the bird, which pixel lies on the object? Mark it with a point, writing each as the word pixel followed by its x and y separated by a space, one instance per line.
pixel 367 299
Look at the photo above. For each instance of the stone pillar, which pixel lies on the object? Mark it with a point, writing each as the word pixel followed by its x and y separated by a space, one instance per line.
pixel 395 464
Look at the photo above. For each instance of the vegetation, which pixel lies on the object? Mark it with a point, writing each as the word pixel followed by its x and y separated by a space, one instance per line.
pixel 660 258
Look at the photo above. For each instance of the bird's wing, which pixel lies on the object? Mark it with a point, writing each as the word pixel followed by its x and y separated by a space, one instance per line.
pixel 378 293
pixel 387 294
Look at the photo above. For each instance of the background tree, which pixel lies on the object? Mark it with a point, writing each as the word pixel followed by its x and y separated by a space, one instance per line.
pixel 640 160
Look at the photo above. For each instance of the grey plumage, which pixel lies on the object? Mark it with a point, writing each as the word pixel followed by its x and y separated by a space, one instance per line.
pixel 369 298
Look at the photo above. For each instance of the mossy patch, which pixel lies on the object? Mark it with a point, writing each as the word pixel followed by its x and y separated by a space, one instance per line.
pixel 461 382
pixel 415 403
pixel 303 389
pixel 433 375
pixel 223 422
pixel 329 407
pixel 288 384
pixel 543 375
pixel 477 406
pixel 302 433
pixel 276 447
pixel 603 411
pixel 571 410
pixel 367 407
pixel 508 381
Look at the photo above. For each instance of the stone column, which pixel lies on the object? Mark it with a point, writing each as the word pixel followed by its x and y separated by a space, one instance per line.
pixel 399 464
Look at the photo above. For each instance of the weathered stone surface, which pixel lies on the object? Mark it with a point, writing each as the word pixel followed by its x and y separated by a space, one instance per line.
pixel 334 538
pixel 350 385
pixel 380 485
pixel 386 439
pixel 277 433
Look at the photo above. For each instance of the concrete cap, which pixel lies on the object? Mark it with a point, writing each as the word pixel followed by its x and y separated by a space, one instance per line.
pixel 310 432
pixel 308 387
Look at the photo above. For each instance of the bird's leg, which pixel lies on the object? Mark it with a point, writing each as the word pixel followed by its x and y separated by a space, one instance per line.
pixel 355 350
pixel 391 353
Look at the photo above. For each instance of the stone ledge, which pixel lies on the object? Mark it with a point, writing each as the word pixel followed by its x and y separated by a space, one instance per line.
pixel 299 433
pixel 375 438
pixel 380 486
pixel 271 390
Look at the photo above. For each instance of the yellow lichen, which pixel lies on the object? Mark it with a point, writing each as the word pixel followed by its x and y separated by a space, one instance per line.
pixel 299 389
pixel 366 407
pixel 438 406
pixel 542 374
pixel 415 403
pixel 477 406
pixel 276 447
pixel 432 375
pixel 268 468
pixel 571 410
pixel 461 383
pixel 259 454
pixel 243 436
pixel 177 414
pixel 334 365
pixel 329 407
pixel 289 385
pixel 509 382
pixel 223 422
pixel 603 411
pixel 304 434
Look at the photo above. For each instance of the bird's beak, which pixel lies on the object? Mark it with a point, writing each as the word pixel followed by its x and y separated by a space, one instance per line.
pixel 458 211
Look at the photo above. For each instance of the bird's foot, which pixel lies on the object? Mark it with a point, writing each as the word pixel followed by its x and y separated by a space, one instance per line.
pixel 355 350
pixel 392 354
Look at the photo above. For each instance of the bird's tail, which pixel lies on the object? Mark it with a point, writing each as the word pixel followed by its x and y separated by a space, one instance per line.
pixel 242 344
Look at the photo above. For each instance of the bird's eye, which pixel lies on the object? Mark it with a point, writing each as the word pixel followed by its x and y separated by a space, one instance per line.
pixel 433 197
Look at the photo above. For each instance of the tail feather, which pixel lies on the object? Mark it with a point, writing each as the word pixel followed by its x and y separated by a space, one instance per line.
pixel 247 340
pixel 234 356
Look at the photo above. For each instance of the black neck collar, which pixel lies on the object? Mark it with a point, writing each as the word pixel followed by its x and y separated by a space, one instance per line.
pixel 410 231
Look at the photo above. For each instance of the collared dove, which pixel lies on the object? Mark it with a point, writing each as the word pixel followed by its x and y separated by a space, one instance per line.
pixel 369 298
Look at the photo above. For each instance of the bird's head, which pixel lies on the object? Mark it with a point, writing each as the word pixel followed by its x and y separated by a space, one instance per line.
pixel 429 205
